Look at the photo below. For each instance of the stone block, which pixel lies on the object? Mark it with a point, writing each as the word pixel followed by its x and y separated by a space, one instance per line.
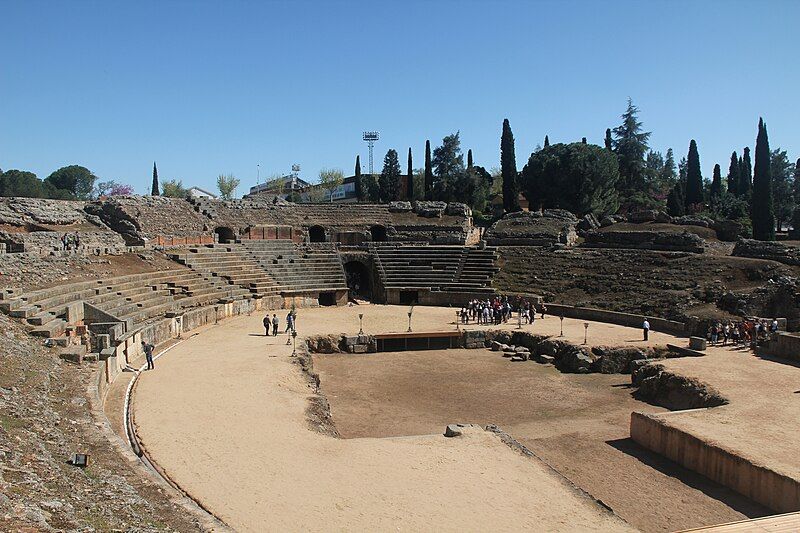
pixel 107 353
pixel 697 343
pixel 452 430
pixel 73 354
pixel 359 348
pixel 544 359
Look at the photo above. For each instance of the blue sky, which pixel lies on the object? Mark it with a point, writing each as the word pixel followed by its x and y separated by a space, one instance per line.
pixel 205 88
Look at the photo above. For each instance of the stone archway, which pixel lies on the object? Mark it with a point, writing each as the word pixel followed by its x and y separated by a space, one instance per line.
pixel 225 235
pixel 316 234
pixel 359 279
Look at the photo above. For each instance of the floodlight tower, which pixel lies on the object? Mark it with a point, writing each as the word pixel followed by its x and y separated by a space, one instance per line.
pixel 371 137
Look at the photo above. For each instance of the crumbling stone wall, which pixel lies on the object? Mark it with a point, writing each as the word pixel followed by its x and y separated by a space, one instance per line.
pixel 645 240
pixel 775 251
pixel 553 226
pixel 44 242
pixel 142 219
pixel 35 211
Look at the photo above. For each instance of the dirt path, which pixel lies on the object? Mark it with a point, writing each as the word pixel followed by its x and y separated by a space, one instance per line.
pixel 224 415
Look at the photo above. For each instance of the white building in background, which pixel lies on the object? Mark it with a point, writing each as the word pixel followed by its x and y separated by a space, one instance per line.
pixel 197 192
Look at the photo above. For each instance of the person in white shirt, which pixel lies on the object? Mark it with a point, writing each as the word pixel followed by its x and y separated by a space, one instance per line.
pixel 646 328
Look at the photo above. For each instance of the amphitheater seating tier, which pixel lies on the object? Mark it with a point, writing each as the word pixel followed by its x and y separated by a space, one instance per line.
pixel 231 262
pixel 136 298
pixel 299 267
pixel 452 268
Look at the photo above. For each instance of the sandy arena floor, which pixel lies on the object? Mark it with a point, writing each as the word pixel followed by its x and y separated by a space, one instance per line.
pixel 224 415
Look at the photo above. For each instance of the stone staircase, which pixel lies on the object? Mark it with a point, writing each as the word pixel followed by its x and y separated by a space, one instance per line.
pixel 232 263
pixel 299 267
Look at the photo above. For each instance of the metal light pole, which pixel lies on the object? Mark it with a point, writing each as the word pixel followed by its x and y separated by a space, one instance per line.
pixel 409 319
pixel 561 318
pixel 360 324
pixel 585 332
pixel 519 318
pixel 458 314
pixel 294 340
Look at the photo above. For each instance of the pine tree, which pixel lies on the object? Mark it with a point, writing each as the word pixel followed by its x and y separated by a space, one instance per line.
pixel 797 183
pixel 609 146
pixel 428 172
pixel 389 180
pixel 508 169
pixel 694 177
pixel 716 186
pixel 154 190
pixel 469 159
pixel 733 175
pixel 630 145
pixel 763 211
pixel 546 141
pixel 410 178
pixel 359 180
pixel 745 175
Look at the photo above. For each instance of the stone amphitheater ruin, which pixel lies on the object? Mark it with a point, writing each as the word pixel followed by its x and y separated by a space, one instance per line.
pixel 570 423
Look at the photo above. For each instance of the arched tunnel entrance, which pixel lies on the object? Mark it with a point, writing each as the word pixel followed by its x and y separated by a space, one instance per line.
pixel 225 235
pixel 378 233
pixel 316 234
pixel 359 279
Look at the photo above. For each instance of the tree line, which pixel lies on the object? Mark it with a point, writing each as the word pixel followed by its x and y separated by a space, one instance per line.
pixel 623 175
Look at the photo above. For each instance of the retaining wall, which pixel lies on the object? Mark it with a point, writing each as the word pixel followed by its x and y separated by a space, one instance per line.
pixel 613 317
pixel 759 483
pixel 783 345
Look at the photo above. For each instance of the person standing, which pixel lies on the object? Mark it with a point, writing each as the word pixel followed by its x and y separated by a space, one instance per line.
pixel 646 329
pixel 289 322
pixel 266 325
pixel 275 324
pixel 148 355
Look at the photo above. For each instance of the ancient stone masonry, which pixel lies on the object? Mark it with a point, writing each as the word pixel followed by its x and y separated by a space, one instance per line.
pixel 142 219
pixel 554 226
pixel 23 211
pixel 673 391
pixel 775 251
pixel 646 240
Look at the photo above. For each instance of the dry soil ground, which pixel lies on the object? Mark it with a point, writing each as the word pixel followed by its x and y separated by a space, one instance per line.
pixel 224 415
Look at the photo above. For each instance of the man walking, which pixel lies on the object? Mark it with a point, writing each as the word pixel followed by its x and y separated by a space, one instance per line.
pixel 289 322
pixel 646 328
pixel 266 325
pixel 148 354
pixel 275 323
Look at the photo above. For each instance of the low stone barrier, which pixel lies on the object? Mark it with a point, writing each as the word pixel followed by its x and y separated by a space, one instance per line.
pixel 782 345
pixel 613 317
pixel 779 492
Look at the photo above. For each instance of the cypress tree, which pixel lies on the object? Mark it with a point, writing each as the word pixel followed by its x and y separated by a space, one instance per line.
pixel 676 205
pixel 546 141
pixel 583 140
pixel 609 146
pixel 745 174
pixel 428 172
pixel 694 178
pixel 359 180
pixel 733 175
pixel 410 182
pixel 716 186
pixel 763 211
pixel 154 190
pixel 508 169
pixel 469 158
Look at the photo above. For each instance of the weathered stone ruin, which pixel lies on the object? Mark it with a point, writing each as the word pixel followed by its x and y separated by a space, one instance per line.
pixel 553 226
